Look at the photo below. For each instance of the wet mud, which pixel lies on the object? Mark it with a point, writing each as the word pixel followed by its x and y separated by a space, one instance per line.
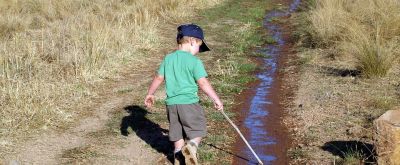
pixel 261 112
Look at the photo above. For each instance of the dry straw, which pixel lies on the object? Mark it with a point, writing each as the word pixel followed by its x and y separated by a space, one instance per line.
pixel 369 30
pixel 52 52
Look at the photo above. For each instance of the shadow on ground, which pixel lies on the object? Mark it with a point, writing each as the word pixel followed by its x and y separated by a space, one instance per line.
pixel 346 148
pixel 341 72
pixel 147 130
pixel 228 152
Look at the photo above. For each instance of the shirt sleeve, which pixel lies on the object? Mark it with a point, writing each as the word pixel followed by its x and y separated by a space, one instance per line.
pixel 199 71
pixel 161 70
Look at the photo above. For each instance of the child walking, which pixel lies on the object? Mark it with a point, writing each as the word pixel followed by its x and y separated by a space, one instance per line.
pixel 184 73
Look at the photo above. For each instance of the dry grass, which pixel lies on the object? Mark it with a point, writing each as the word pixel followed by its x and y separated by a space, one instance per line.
pixel 55 53
pixel 334 105
pixel 366 29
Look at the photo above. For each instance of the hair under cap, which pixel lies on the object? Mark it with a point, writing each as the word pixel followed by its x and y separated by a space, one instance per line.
pixel 192 30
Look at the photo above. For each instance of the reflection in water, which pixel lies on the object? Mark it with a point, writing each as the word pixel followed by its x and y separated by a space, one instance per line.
pixel 255 121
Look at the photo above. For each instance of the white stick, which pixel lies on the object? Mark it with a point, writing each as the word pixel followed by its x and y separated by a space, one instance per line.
pixel 245 141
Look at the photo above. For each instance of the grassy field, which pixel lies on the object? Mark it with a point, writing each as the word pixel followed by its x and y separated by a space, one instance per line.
pixel 349 75
pixel 56 54
pixel 59 57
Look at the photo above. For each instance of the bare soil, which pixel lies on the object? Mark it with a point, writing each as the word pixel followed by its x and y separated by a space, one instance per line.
pixel 91 141
pixel 333 107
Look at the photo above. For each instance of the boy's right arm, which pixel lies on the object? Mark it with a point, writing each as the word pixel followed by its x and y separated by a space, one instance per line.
pixel 205 85
pixel 149 100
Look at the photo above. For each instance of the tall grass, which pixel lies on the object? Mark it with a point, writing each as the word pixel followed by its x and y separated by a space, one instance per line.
pixel 53 52
pixel 367 29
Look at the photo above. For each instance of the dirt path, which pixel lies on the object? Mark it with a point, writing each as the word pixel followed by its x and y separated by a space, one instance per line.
pixel 93 140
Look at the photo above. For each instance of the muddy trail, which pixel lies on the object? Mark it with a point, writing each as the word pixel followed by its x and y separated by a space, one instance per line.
pixel 261 113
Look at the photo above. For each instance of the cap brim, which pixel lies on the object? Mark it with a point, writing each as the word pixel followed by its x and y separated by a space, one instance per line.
pixel 204 47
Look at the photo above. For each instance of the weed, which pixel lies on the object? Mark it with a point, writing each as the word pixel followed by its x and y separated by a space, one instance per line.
pixel 206 156
pixel 382 103
pixel 79 153
pixel 159 103
pixel 124 90
pixel 365 29
pixel 297 153
pixel 247 68
pixel 304 59
pixel 270 40
pixel 215 116
pixel 351 158
pixel 375 61
pixel 207 104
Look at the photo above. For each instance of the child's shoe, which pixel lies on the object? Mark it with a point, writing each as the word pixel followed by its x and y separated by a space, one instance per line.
pixel 189 151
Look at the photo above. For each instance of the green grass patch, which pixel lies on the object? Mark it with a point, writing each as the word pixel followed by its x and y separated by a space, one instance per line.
pixel 270 40
pixel 207 104
pixel 351 158
pixel 297 153
pixel 383 103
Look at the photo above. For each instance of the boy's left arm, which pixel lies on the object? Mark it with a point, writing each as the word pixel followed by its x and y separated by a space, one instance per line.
pixel 149 100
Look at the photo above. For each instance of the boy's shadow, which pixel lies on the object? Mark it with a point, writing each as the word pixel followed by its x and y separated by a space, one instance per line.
pixel 148 131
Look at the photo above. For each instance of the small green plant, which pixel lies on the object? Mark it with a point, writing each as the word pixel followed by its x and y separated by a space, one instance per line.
pixel 215 116
pixel 124 90
pixel 352 158
pixel 270 40
pixel 79 153
pixel 206 156
pixel 383 103
pixel 159 103
pixel 247 67
pixel 297 153
pixel 374 60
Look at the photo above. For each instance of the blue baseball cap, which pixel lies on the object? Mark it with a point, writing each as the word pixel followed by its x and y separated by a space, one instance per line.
pixel 192 30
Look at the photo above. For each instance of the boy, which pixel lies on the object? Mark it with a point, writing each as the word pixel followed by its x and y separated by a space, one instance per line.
pixel 183 74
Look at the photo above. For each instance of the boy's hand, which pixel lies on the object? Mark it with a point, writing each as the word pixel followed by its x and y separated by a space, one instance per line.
pixel 207 88
pixel 218 105
pixel 149 101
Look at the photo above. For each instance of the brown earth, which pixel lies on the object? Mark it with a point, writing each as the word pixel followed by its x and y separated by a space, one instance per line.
pixel 333 106
pixel 79 144
pixel 97 137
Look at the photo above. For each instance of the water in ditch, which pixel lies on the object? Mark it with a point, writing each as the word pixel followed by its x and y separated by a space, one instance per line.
pixel 262 122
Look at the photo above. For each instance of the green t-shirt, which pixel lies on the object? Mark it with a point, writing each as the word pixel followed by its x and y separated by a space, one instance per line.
pixel 181 70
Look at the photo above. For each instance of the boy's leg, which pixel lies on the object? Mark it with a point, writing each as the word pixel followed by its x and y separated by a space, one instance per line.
pixel 196 140
pixel 175 134
pixel 178 145
pixel 179 159
pixel 193 120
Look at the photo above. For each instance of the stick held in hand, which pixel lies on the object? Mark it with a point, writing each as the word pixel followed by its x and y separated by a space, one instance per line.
pixel 244 139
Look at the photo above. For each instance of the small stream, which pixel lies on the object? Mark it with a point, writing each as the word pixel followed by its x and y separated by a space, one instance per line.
pixel 261 104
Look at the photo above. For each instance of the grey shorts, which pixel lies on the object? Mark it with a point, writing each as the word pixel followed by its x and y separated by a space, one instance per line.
pixel 186 119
